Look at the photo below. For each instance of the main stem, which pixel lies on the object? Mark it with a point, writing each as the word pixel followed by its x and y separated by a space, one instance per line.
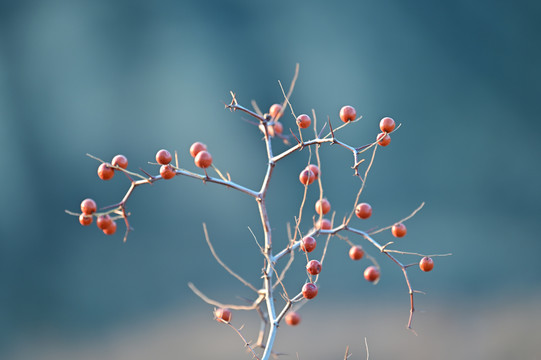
pixel 269 268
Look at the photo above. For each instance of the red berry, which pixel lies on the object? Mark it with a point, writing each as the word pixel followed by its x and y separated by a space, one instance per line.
pixel 105 172
pixel 88 206
pixel 203 159
pixel 371 273
pixel 356 252
pixel 222 315
pixel 323 224
pixel 274 111
pixel 270 129
pixel 111 229
pixel 85 220
pixel 163 157
pixel 383 139
pixel 399 230
pixel 278 128
pixel 309 291
pixel 313 267
pixel 120 161
pixel 196 148
pixel 275 129
pixel 426 264
pixel 167 172
pixel 363 211
pixel 308 244
pixel 313 168
pixel 323 206
pixel 387 124
pixel 104 221
pixel 303 121
pixel 348 113
pixel 306 177
pixel 293 318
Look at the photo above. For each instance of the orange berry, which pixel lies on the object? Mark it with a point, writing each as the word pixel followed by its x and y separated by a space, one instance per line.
pixel 323 224
pixel 104 221
pixel 309 291
pixel 313 267
pixel 323 206
pixel 363 211
pixel 308 244
pixel 275 129
pixel 313 168
pixel 222 315
pixel 270 129
pixel 303 121
pixel 348 113
pixel 278 128
pixel 274 111
pixel 167 172
pixel 426 264
pixel 85 220
pixel 111 229
pixel 387 124
pixel 105 172
pixel 88 206
pixel 306 177
pixel 203 159
pixel 371 273
pixel 383 139
pixel 292 318
pixel 399 230
pixel 163 157
pixel 356 252
pixel 196 148
pixel 120 161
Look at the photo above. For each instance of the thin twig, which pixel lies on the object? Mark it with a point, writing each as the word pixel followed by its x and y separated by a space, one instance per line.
pixel 347 355
pixel 222 305
pixel 286 267
pixel 256 108
pixel 327 241
pixel 399 221
pixel 290 91
pixel 362 186
pixel 255 239
pixel 246 343
pixel 342 126
pixel 298 220
pixel 227 268
pixel 219 173
pixel 366 346
pixel 416 254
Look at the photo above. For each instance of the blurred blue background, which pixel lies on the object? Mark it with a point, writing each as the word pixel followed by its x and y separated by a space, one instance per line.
pixel 132 77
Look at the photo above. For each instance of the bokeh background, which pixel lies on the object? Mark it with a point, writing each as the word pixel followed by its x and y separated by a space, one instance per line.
pixel 131 77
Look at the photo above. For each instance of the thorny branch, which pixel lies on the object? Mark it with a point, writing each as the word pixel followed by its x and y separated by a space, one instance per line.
pixel 270 317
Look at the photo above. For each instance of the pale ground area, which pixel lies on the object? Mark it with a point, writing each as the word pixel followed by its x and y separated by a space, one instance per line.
pixel 462 329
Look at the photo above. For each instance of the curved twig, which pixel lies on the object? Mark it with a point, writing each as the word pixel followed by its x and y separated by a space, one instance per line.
pixel 227 268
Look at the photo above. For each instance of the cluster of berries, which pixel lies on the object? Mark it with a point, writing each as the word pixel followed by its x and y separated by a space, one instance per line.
pixel 106 171
pixel 356 252
pixel 275 128
pixel 104 221
pixel 387 125
pixel 363 210
pixel 347 114
pixel 198 151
